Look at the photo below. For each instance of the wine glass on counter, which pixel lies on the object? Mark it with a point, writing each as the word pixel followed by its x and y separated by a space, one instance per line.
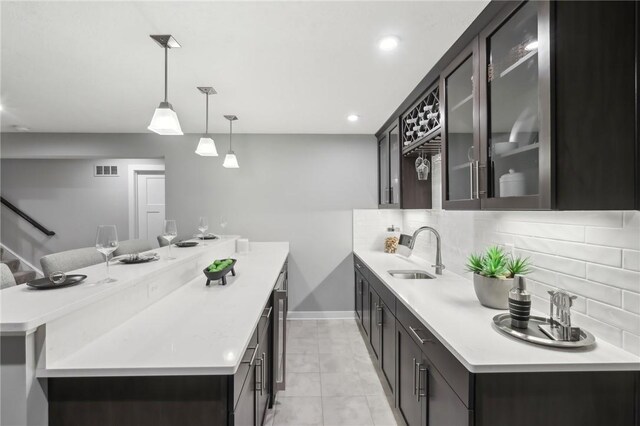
pixel 203 225
pixel 223 223
pixel 169 233
pixel 107 243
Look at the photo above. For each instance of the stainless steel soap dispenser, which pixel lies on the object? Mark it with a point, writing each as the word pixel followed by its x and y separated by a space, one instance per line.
pixel 519 303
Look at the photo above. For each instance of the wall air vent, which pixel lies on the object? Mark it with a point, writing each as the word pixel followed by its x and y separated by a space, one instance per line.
pixel 105 171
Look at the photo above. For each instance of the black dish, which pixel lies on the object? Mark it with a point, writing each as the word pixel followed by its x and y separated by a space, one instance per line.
pixel 138 260
pixel 186 244
pixel 220 275
pixel 209 237
pixel 46 283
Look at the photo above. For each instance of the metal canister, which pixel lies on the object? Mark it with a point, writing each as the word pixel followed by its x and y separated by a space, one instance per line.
pixel 519 303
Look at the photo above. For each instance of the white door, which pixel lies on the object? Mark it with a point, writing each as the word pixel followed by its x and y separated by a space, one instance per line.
pixel 150 205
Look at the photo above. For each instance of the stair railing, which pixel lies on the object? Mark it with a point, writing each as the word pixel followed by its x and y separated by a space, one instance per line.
pixel 26 217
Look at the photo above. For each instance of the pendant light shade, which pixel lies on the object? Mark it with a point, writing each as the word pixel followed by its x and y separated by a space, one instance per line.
pixel 230 160
pixel 165 120
pixel 206 146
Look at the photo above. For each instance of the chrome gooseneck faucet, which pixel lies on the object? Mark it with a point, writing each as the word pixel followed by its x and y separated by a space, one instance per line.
pixel 439 266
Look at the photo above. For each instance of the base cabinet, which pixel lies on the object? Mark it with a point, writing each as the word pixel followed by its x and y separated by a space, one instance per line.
pixel 431 387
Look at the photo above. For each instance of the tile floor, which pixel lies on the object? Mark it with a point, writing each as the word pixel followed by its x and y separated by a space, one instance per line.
pixel 331 379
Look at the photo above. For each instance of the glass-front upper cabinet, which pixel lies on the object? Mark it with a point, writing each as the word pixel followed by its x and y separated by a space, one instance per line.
pixel 394 165
pixel 389 167
pixel 461 140
pixel 383 170
pixel 514 137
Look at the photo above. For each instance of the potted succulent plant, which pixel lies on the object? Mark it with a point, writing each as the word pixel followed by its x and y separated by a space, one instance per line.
pixel 493 274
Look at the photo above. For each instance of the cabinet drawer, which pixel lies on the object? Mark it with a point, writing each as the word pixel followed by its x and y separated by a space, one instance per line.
pixel 456 375
pixel 245 366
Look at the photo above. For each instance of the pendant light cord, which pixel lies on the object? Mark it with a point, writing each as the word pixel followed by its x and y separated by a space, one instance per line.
pixel 230 135
pixel 206 131
pixel 166 71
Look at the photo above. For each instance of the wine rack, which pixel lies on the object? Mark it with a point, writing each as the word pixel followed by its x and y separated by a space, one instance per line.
pixel 421 125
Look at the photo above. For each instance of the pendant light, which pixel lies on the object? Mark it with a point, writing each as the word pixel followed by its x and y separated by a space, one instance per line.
pixel 206 146
pixel 230 160
pixel 165 120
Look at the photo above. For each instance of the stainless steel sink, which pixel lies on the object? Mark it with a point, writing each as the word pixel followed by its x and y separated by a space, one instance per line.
pixel 411 275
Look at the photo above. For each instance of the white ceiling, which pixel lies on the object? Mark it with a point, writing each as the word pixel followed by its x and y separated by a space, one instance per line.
pixel 282 67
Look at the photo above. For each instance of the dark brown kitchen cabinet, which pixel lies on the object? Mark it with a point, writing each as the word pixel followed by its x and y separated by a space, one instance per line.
pixel 358 295
pixel 539 111
pixel 366 308
pixel 460 131
pixel 245 411
pixel 388 345
pixel 389 167
pixel 263 371
pixel 423 396
pixel 375 336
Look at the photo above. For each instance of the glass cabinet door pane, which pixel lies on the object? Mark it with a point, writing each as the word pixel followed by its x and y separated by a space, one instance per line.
pixel 394 169
pixel 512 98
pixel 383 169
pixel 459 124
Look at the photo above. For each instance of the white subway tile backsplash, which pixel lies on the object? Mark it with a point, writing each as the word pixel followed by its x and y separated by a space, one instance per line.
pixel 594 255
pixel 628 280
pixel 631 343
pixel 631 302
pixel 632 219
pixel 614 316
pixel 554 263
pixel 631 260
pixel 597 254
pixel 591 290
pixel 544 230
pixel 601 330
pixel 614 237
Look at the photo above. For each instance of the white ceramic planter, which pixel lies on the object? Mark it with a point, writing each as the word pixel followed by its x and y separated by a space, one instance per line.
pixel 492 292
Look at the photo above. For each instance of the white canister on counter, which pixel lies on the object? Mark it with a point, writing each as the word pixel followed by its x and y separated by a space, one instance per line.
pixel 242 245
pixel 512 184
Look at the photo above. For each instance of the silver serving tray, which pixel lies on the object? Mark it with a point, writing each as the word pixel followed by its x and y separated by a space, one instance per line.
pixel 533 334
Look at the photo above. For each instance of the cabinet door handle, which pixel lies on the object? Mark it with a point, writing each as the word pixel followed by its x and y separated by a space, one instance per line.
pixel 477 167
pixel 253 357
pixel 263 369
pixel 379 313
pixel 415 333
pixel 268 313
pixel 414 376
pixel 471 180
pixel 420 393
pixel 259 383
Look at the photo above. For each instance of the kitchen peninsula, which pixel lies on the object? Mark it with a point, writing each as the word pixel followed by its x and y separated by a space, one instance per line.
pixel 157 333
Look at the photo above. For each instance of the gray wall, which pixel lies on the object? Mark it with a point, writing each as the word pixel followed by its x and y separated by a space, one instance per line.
pixel 296 188
pixel 65 197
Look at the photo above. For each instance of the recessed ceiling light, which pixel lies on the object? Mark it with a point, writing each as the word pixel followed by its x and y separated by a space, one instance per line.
pixel 388 43
pixel 353 117
pixel 532 46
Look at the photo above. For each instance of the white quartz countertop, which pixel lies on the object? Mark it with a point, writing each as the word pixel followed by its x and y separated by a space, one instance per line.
pixel 23 309
pixel 448 307
pixel 195 330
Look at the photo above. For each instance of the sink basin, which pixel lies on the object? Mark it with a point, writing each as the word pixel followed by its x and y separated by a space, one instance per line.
pixel 412 275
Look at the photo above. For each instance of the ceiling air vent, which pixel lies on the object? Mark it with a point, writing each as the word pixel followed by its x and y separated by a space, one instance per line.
pixel 106 171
